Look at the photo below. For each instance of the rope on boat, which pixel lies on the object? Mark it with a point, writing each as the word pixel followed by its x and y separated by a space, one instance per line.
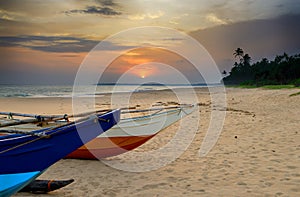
pixel 40 134
pixel 9 116
pixel 14 147
pixel 49 185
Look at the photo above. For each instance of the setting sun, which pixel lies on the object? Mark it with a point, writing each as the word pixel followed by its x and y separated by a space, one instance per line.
pixel 143 76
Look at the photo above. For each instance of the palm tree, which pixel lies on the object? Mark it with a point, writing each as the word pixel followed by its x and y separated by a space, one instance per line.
pixel 264 61
pixel 239 53
pixel 278 59
pixel 246 59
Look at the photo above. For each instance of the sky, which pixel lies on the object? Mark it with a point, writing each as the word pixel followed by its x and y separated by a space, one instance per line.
pixel 45 42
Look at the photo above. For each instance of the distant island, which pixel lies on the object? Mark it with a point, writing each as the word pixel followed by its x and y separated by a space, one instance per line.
pixel 283 70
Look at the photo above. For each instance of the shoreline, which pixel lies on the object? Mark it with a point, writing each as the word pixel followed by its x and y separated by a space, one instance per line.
pixel 179 88
pixel 54 92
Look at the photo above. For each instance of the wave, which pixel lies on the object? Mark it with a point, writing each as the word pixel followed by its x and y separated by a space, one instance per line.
pixel 32 91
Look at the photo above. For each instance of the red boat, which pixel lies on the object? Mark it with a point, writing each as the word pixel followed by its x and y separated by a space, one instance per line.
pixel 131 133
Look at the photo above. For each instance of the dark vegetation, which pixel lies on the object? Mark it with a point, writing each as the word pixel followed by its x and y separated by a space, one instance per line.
pixel 283 70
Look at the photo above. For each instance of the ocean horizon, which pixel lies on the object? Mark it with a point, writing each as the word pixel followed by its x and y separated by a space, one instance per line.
pixel 41 91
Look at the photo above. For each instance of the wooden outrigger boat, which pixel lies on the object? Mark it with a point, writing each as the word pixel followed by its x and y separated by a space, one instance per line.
pixel 26 155
pixel 131 133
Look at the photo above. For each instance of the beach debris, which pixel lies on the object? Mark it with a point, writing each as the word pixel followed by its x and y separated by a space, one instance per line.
pixel 203 104
pixel 238 110
pixel 172 103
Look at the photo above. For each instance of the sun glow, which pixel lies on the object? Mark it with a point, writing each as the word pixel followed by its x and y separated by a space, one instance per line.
pixel 143 71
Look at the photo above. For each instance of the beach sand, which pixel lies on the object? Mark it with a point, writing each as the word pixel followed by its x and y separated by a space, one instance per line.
pixel 257 153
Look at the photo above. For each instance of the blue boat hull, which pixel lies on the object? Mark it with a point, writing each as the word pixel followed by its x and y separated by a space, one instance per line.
pixel 10 183
pixel 21 153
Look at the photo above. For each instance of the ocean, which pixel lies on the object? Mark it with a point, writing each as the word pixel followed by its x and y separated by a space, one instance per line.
pixel 34 91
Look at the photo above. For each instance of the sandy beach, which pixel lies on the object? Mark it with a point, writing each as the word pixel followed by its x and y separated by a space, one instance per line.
pixel 257 153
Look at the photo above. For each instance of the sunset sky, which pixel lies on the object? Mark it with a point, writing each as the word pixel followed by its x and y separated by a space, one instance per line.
pixel 45 42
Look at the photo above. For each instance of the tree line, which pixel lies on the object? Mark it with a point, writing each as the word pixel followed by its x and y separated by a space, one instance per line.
pixel 284 69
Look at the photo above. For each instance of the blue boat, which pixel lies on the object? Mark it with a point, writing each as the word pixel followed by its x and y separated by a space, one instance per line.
pixel 23 157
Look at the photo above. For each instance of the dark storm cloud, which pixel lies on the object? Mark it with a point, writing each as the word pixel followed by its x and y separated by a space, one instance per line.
pixel 57 43
pixel 4 4
pixel 49 43
pixel 106 11
pixel 106 2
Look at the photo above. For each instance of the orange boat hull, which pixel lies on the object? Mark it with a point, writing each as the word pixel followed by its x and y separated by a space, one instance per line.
pixel 109 146
pixel 129 134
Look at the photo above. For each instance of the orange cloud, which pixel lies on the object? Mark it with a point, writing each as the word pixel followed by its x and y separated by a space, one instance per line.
pixel 137 60
pixel 144 70
pixel 142 62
